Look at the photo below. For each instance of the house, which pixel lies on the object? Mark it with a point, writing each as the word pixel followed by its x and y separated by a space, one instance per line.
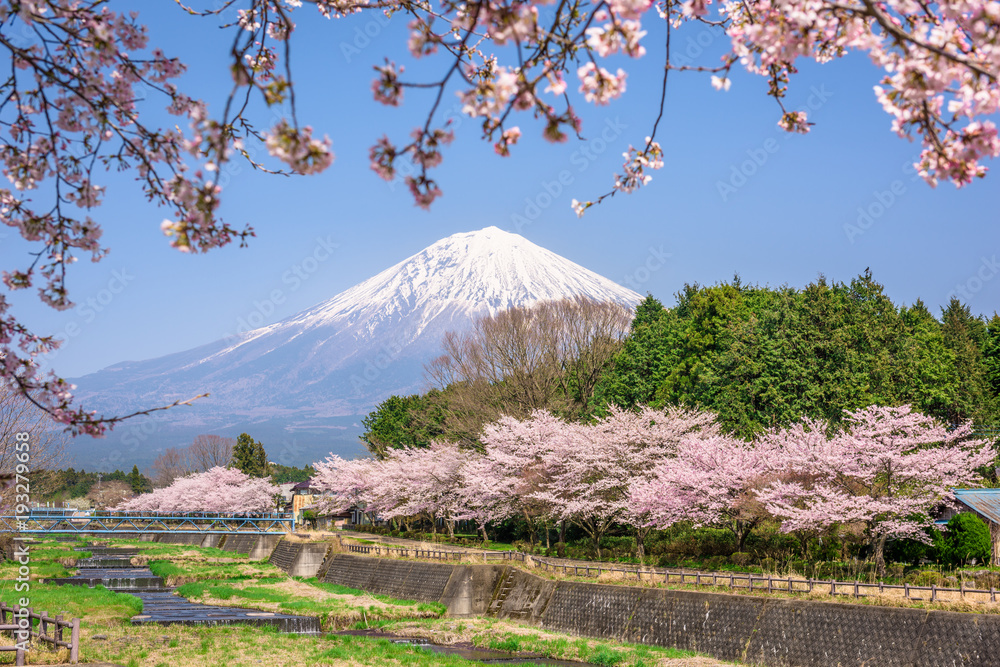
pixel 303 495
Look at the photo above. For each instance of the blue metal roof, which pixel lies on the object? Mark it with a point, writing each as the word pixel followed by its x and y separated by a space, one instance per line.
pixel 985 502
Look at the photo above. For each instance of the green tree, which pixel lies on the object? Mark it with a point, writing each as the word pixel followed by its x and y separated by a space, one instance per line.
pixel 967 537
pixel 138 482
pixel 761 357
pixel 249 457
pixel 966 336
pixel 281 474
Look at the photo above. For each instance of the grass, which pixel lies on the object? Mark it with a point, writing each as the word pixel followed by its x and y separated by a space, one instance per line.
pixel 337 607
pixel 221 578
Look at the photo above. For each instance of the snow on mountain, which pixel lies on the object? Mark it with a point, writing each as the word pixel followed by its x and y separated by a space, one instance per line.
pixel 345 354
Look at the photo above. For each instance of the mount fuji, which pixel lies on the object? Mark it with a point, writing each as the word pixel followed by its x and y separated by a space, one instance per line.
pixel 303 383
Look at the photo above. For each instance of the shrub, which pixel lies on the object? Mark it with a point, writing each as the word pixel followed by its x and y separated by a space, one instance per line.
pixel 741 559
pixel 967 538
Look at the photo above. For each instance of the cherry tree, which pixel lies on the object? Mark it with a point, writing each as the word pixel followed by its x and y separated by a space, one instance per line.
pixel 216 490
pixel 886 470
pixel 589 477
pixel 69 110
pixel 514 471
pixel 344 484
pixel 406 482
pixel 710 482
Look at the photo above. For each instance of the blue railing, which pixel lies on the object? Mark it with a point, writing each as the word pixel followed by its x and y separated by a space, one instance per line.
pixel 147 522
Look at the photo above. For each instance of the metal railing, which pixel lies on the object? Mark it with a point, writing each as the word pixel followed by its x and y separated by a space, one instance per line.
pixel 149 522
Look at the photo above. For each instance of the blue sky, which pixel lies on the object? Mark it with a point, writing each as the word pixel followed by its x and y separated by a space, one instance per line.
pixel 737 195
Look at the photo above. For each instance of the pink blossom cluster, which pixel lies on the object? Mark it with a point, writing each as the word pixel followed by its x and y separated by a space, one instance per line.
pixel 68 107
pixel 69 110
pixel 216 490
pixel 541 468
pixel 885 471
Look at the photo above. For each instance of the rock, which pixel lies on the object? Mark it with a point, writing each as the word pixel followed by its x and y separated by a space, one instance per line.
pixel 100 638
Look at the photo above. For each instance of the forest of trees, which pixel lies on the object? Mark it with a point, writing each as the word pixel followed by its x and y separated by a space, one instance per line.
pixel 756 356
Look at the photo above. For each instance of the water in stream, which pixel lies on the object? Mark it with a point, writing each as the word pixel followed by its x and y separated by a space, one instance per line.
pixel 112 568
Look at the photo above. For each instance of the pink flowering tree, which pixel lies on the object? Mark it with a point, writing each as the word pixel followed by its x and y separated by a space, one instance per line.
pixel 216 490
pixel 345 484
pixel 885 471
pixel 710 482
pixel 409 482
pixel 69 110
pixel 589 477
pixel 513 471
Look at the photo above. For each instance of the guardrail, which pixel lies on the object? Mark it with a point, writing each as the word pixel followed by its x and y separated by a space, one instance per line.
pixel 756 583
pixel 22 630
pixel 146 522
pixel 404 552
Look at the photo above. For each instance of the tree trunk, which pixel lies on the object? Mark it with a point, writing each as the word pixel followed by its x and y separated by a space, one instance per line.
pixel 531 529
pixel 880 556
pixel 640 547
pixel 562 531
pixel 486 538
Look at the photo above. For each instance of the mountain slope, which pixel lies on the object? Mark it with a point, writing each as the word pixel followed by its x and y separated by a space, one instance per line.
pixel 345 354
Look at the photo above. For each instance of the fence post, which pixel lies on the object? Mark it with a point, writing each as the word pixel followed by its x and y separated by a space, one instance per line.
pixel 74 650
pixel 43 624
pixel 769 583
pixel 906 590
pixel 993 595
pixel 933 592
pixel 833 587
pixel 58 633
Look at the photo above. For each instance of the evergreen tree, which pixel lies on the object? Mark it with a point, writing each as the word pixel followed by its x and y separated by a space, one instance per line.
pixel 138 482
pixel 249 457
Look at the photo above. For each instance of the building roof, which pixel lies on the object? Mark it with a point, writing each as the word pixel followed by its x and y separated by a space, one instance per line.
pixel 985 502
pixel 302 486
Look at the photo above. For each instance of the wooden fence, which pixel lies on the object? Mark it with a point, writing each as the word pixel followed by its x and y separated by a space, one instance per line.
pixel 45 625
pixel 404 552
pixel 733 580
pixel 773 584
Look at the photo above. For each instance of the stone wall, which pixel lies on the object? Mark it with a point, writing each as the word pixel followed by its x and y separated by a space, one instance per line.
pixel 465 589
pixel 756 630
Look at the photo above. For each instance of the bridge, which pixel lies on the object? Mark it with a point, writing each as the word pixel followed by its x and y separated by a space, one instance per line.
pixel 47 521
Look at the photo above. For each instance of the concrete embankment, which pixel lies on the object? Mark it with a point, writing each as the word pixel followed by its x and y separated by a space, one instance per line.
pixel 756 630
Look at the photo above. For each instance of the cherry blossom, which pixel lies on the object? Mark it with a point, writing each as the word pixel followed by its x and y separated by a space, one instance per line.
pixel 216 490
pixel 69 107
